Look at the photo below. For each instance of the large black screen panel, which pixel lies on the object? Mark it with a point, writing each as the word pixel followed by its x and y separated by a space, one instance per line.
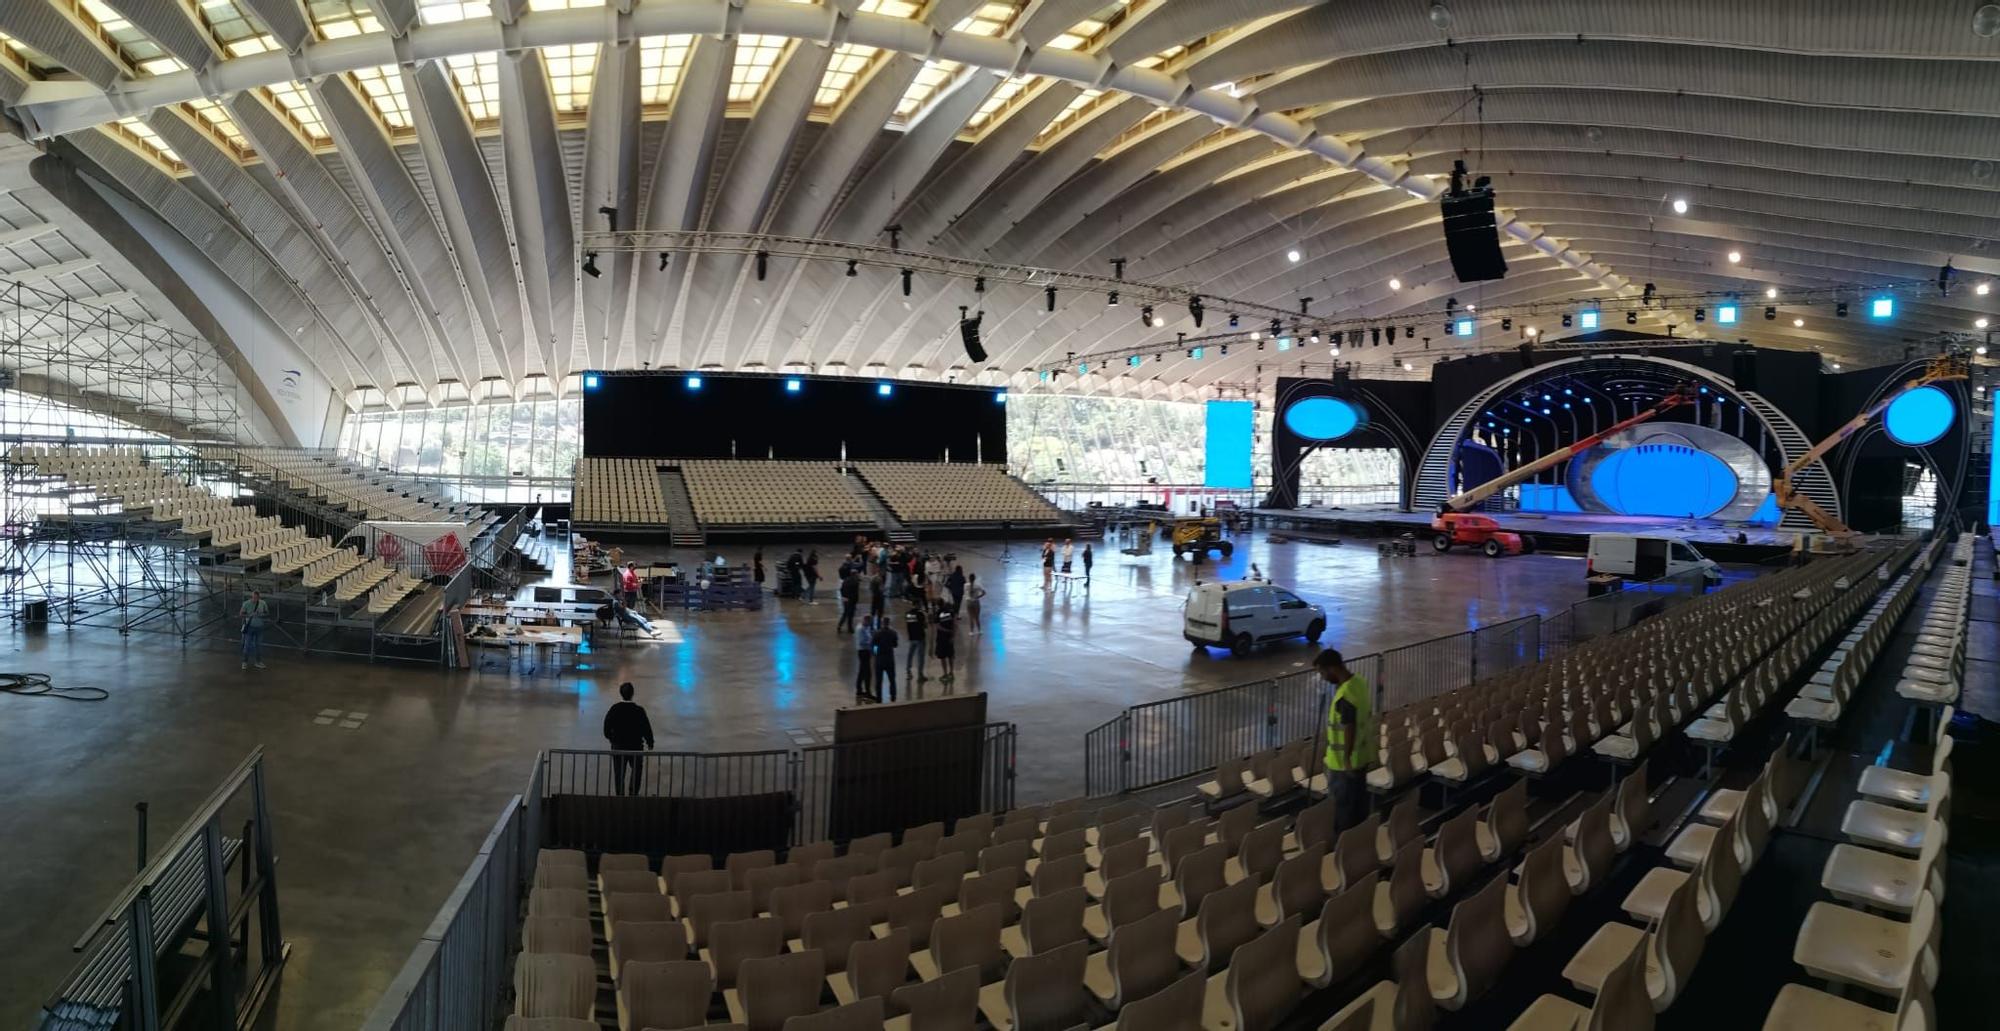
pixel 685 415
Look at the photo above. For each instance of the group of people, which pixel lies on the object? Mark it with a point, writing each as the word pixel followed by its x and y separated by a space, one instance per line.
pixel 1049 562
pixel 935 591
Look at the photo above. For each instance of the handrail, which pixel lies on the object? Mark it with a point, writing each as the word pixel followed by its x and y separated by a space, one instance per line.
pixel 150 876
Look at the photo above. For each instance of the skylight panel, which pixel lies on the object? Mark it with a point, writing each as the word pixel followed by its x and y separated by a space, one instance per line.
pixel 755 57
pixel 572 68
pixel 383 86
pixel 661 59
pixel 477 77
pixel 846 64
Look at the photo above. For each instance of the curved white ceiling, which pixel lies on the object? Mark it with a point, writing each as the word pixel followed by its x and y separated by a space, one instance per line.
pixel 421 169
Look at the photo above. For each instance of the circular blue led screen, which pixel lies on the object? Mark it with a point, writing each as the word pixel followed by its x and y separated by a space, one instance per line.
pixel 1920 416
pixel 1664 479
pixel 1324 418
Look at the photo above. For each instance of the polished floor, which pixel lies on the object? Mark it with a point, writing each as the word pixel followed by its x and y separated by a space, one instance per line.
pixel 375 822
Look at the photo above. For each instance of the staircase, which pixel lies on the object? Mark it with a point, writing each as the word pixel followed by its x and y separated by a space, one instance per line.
pixel 682 527
pixel 1433 485
pixel 892 528
pixel 1813 481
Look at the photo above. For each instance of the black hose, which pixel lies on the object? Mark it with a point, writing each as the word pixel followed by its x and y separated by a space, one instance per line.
pixel 41 685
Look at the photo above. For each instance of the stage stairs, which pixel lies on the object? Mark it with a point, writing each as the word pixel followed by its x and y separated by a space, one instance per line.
pixel 1813 481
pixel 682 527
pixel 892 528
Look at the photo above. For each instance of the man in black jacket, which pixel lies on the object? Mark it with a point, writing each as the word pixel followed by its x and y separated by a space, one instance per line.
pixel 628 730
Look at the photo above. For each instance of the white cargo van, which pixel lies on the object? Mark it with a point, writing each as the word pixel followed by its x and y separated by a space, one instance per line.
pixel 1640 558
pixel 1243 613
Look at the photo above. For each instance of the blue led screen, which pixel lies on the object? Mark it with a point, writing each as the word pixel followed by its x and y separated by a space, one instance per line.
pixel 1993 477
pixel 1230 424
pixel 1324 418
pixel 1920 416
pixel 1664 479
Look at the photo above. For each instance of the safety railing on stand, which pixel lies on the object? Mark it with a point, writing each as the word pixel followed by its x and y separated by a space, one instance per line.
pixel 1609 613
pixel 718 802
pixel 854 788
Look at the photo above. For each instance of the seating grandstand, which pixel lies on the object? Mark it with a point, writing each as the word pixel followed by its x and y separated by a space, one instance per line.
pixel 618 491
pixel 931 492
pixel 369 493
pixel 762 492
pixel 122 477
pixel 1238 908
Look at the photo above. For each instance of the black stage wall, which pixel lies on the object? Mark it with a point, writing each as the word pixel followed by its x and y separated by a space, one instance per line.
pixel 657 414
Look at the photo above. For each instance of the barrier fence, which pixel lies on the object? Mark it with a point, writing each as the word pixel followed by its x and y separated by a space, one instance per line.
pixel 854 788
pixel 1606 614
pixel 1160 742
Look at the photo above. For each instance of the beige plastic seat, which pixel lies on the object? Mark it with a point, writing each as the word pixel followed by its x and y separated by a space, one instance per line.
pixel 1235 825
pixel 1353 856
pixel 557 934
pixel 833 932
pixel 1895 828
pixel 1139 962
pixel 1631 810
pixel 943 868
pixel 1011 833
pixel 1799 1008
pixel 865 1015
pixel 664 994
pixel 1184 841
pixel 1335 945
pixel 1401 897
pixel 1586 862
pixel 1879 880
pixel 1261 986
pixel 1903 788
pixel 649 941
pixel 1621 1005
pixel 705 911
pixel 1847 946
pixel 627 882
pixel 1047 923
pixel 1718 878
pixel 1672 948
pixel 1227 919
pixel 1117 861
pixel 1455 856
pixel 762 882
pixel 1044 990
pixel 970 939
pixel 947 1003
pixel 1199 874
pixel 876 967
pixel 1057 875
pixel 1258 856
pixel 732 942
pixel 1176 1007
pixel 774 989
pixel 1232 778
pixel 1503 827
pixel 694 884
pixel 1107 836
pixel 634 908
pixel 559 985
pixel 1403 1004
pixel 915 912
pixel 559 902
pixel 1466 958
pixel 791 905
pixel 1403 826
pixel 1294 890
pixel 563 875
pixel 1128 898
pixel 1000 886
pixel 1314 825
pixel 1536 902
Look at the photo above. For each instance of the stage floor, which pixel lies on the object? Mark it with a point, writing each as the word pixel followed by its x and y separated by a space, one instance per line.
pixel 1390 520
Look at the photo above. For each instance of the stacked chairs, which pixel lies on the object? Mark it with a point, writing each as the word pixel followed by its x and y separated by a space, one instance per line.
pixel 750 492
pixel 619 490
pixel 934 492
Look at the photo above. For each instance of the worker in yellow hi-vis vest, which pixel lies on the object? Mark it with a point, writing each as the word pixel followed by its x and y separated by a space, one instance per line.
pixel 1350 739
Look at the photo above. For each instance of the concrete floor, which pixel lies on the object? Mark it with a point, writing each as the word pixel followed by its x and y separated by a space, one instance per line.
pixel 375 824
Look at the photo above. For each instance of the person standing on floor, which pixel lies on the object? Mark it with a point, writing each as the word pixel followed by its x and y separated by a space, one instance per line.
pixel 914 624
pixel 1086 565
pixel 876 597
pixel 1350 739
pixel 885 660
pixel 864 658
pixel 955 583
pixel 1048 565
pixel 255 612
pixel 627 729
pixel 974 593
pixel 812 576
pixel 757 569
pixel 943 624
pixel 628 582
pixel 1069 548
pixel 850 593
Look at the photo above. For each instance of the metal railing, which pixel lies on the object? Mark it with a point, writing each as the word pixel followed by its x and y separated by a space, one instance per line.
pixel 854 788
pixel 1607 614
pixel 633 801
pixel 1172 739
pixel 458 974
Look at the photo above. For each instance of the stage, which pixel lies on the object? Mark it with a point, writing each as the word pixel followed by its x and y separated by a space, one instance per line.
pixel 1561 532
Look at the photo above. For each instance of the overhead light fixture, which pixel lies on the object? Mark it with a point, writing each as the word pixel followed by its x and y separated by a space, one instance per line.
pixel 1735 256
pixel 978 282
pixel 1407 367
pixel 1112 300
pixel 1506 325
pixel 663 261
pixel 1532 331
pixel 1725 314
pixel 1314 339
pixel 1254 335
pixel 1631 318
pixel 1395 284
pixel 1293 255
pixel 793 386
pixel 906 282
pixel 1882 308
pixel 1050 294
pixel 1840 309
pixel 1232 320
pixel 1797 322
pixel 1770 313
pixel 1979 323
pixel 694 382
pixel 763 264
pixel 1195 309
pixel 1374 336
pixel 1567 320
pixel 1771 292
pixel 1158 322
pixel 884 389
pixel 590 265
pixel 1145 314
pixel 1680 206
pixel 1701 314
pixel 1463 327
pixel 1646 296
pixel 1983 289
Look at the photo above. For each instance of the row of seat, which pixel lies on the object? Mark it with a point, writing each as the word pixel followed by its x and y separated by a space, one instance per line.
pixel 372 493
pixel 619 490
pixel 935 492
pixel 765 492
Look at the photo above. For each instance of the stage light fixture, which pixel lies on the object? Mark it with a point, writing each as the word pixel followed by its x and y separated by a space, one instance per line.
pixel 1983 289
pixel 1450 307
pixel 590 265
pixel 1587 319
pixel 590 381
pixel 1770 314
pixel 1725 314
pixel 1796 323
pixel 1293 255
pixel 979 284
pixel 1314 339
pixel 1336 337
pixel 1532 332
pixel 1112 300
pixel 663 261
pixel 1158 322
pixel 1407 367
pixel 1195 310
pixel 999 397
pixel 1979 323
pixel 906 282
pixel 1118 267
pixel 1195 353
pixel 1882 307
pixel 1232 320
pixel 1135 361
pixel 1680 206
pixel 1840 309
pixel 1735 256
pixel 1631 318
pixel 1506 325
pixel 1980 350
pixel 1701 314
pixel 883 389
pixel 1463 327
pixel 1049 294
pixel 853 268
pixel 1395 284
pixel 1276 329
pixel 1146 315
pixel 1335 352
pixel 1409 332
pixel 694 382
pixel 1547 397
pixel 1254 335
pixel 1375 336
pixel 793 386
pixel 1225 350
pixel 763 264
pixel 1567 321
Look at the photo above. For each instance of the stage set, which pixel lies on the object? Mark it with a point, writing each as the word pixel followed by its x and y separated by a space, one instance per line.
pixel 1635 434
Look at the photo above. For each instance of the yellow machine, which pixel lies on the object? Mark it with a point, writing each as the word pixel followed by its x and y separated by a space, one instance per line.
pixel 1197 537
pixel 1942 368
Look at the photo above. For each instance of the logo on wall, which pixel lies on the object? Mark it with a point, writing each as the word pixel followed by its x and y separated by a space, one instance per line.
pixel 288 385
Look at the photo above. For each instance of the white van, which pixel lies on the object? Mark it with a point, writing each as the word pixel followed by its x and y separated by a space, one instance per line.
pixel 1641 558
pixel 1240 614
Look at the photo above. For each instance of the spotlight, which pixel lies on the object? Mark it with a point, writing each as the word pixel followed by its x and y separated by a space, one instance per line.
pixel 1840 309
pixel 1979 323
pixel 978 282
pixel 1797 323
pixel 663 261
pixel 1195 310
pixel 1980 350
pixel 1276 329
pixel 1770 313
pixel 1232 320
pixel 694 382
pixel 1158 322
pixel 1532 332
pixel 1646 296
pixel 1882 307
pixel 1735 256
pixel 1225 350
pixel 1293 255
pixel 1506 325
pixel 1336 338
pixel 1450 307
pixel 590 265
pixel 883 389
pixel 793 386
pixel 1254 335
pixel 1771 292
pixel 1407 367
pixel 906 282
pixel 1049 294
pixel 1725 314
pixel 1463 328
pixel 1395 284
pixel 763 264
pixel 590 381
pixel 1567 322
pixel 1375 336
pixel 1983 289
pixel 1112 300
pixel 1146 315
pixel 1680 206
pixel 1314 339
pixel 1701 314
pixel 1631 318
pixel 1587 319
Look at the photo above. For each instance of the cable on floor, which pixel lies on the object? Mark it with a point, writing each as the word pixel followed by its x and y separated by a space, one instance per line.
pixel 41 685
